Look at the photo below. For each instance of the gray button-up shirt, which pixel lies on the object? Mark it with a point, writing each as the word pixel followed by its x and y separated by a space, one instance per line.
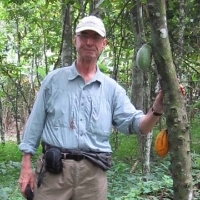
pixel 72 114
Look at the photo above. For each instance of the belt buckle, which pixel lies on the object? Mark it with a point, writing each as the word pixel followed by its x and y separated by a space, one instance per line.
pixel 64 155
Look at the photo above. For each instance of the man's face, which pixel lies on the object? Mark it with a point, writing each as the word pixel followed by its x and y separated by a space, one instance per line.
pixel 89 44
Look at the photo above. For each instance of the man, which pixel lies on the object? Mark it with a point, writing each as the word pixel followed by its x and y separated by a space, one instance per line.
pixel 72 116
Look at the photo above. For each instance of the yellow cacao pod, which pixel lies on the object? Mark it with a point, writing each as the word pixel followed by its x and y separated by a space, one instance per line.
pixel 161 143
pixel 144 57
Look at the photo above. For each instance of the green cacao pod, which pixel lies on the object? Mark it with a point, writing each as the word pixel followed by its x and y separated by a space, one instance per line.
pixel 144 57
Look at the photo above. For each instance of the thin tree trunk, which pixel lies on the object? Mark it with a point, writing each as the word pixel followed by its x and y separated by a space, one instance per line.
pixel 180 45
pixel 66 58
pixel 175 111
pixel 140 94
pixel 17 117
pixel 1 124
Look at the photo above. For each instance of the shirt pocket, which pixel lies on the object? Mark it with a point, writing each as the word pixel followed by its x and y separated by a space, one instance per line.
pixel 58 108
pixel 100 116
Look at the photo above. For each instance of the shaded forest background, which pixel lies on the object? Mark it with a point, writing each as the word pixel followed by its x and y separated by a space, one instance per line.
pixel 31 45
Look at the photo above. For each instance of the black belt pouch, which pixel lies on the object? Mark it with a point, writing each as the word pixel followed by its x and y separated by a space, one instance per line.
pixel 53 160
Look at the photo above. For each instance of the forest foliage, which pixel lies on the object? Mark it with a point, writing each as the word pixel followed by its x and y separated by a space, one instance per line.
pixel 30 47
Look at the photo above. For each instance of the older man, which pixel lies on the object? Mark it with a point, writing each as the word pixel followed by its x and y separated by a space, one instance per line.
pixel 72 116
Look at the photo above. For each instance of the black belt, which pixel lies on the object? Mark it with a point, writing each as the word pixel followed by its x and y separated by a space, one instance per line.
pixel 65 153
pixel 76 157
pixel 101 159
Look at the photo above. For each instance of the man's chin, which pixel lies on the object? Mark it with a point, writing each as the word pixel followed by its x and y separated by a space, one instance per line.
pixel 90 57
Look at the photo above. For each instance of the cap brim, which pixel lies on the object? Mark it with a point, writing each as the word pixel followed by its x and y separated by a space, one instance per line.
pixel 101 33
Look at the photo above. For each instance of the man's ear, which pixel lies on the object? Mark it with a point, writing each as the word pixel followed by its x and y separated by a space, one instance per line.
pixel 74 40
pixel 104 43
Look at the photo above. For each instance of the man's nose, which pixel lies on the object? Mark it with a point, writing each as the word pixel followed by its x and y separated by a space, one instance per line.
pixel 89 41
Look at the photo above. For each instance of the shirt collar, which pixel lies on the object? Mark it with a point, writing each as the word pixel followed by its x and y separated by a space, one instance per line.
pixel 74 73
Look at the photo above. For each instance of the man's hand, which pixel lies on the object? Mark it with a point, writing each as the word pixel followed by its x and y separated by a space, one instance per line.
pixel 149 120
pixel 158 103
pixel 26 175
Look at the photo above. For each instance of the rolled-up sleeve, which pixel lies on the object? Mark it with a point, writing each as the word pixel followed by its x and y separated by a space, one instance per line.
pixel 35 124
pixel 126 118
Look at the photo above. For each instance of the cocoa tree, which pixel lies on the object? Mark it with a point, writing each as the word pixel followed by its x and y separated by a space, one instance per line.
pixel 175 111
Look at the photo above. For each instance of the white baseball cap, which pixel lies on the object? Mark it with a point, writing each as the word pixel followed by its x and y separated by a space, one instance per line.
pixel 91 23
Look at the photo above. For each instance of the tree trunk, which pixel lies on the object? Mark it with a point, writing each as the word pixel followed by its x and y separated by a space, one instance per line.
pixel 140 87
pixel 66 58
pixel 95 8
pixel 180 45
pixel 1 124
pixel 176 117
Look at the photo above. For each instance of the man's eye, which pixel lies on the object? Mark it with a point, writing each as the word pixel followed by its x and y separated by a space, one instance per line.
pixel 97 37
pixel 85 36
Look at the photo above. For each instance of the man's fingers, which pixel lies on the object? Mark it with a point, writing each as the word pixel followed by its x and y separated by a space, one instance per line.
pixel 22 187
